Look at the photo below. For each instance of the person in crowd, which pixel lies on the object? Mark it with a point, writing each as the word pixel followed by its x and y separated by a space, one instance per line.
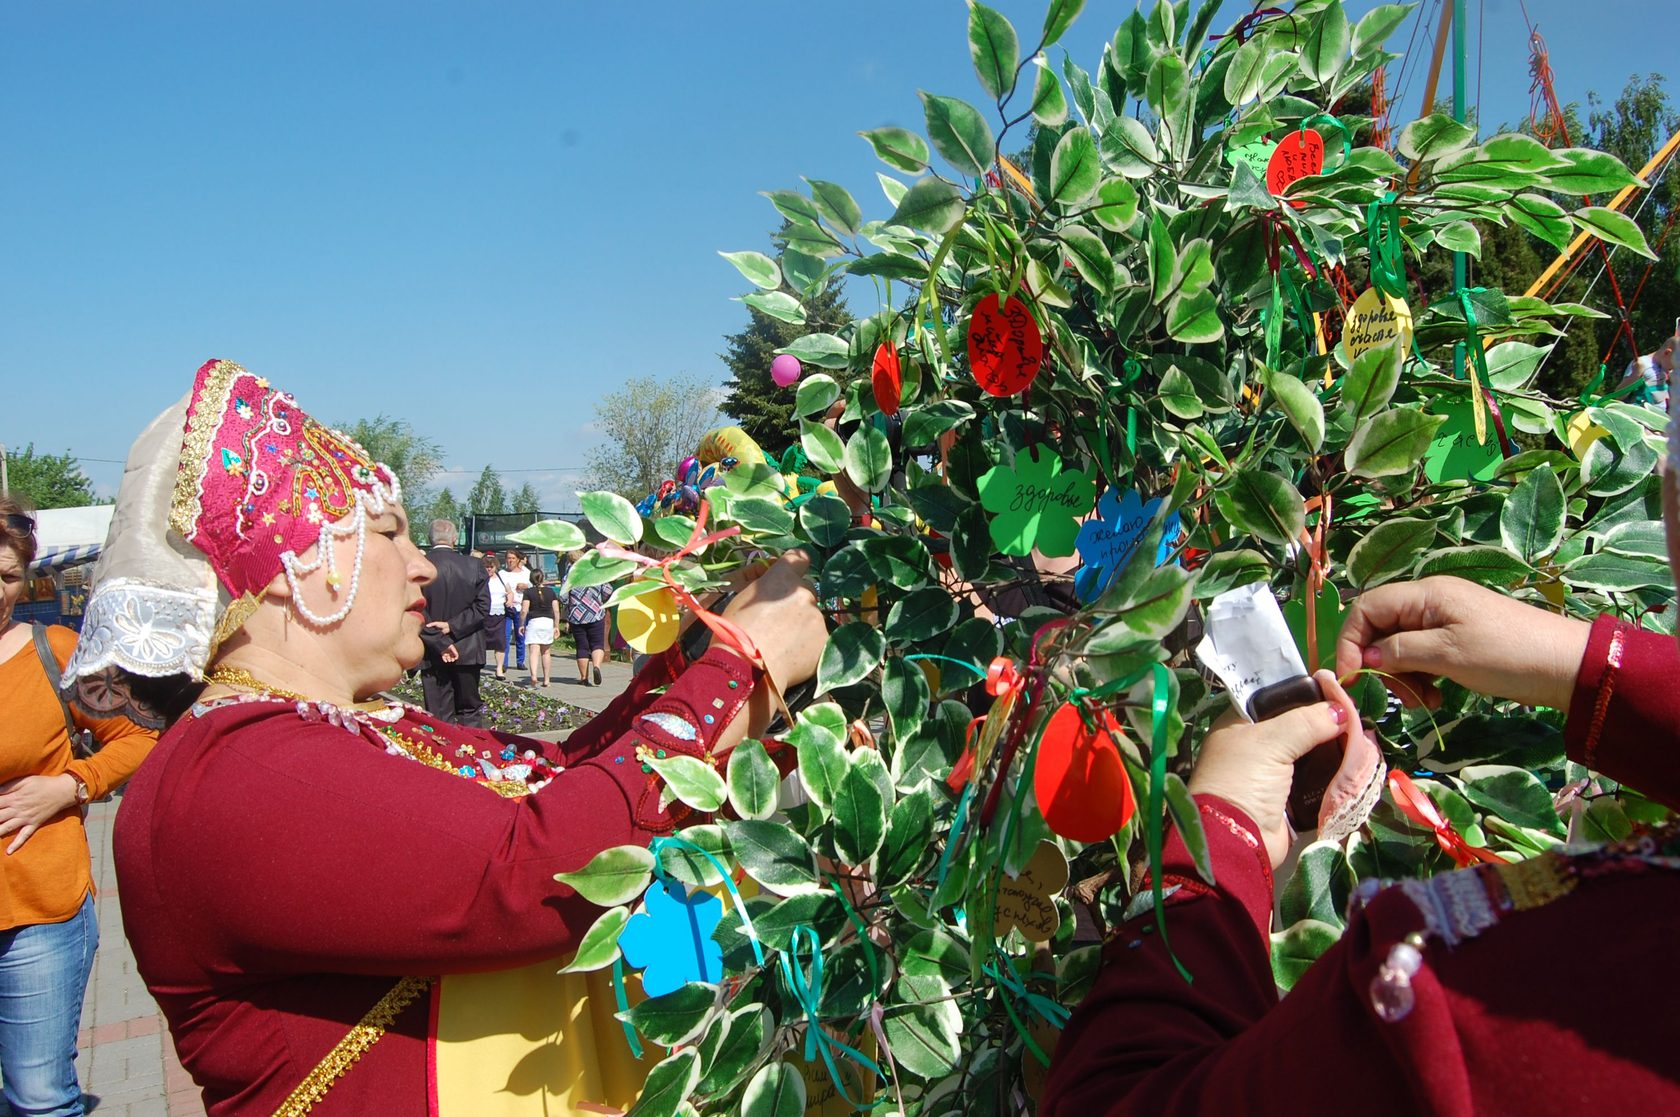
pixel 457 602
pixel 515 578
pixel 48 931
pixel 329 894
pixel 1479 991
pixel 586 620
pixel 1653 372
pixel 540 612
pixel 495 631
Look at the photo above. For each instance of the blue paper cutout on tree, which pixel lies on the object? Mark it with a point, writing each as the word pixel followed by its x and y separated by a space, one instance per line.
pixel 1106 542
pixel 670 939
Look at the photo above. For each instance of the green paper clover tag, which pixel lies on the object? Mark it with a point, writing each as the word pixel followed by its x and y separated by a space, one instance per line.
pixel 1454 454
pixel 1036 503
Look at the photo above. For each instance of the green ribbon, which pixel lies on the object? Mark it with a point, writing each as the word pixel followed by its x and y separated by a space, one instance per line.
pixel 1478 356
pixel 1382 238
pixel 1303 318
pixel 1157 802
pixel 951 840
pixel 1590 397
pixel 1133 369
pixel 1347 137
pixel 863 937
pixel 1003 972
pixel 1274 323
pixel 802 969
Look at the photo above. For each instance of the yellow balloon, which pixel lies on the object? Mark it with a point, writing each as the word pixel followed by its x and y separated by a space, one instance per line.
pixel 1583 432
pixel 649 621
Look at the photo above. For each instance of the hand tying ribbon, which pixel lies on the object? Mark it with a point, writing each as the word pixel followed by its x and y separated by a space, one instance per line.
pixel 1418 807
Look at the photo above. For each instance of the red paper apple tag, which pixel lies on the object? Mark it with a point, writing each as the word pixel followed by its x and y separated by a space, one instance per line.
pixel 1004 346
pixel 886 380
pixel 1079 779
pixel 1299 154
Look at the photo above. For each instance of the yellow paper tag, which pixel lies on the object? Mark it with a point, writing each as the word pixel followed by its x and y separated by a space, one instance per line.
pixel 649 621
pixel 1375 320
pixel 1583 432
pixel 1027 903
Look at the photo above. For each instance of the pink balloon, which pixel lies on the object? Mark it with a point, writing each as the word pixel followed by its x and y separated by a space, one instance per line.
pixel 784 370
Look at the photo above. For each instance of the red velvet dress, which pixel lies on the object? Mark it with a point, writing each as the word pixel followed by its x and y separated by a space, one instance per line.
pixel 277 874
pixel 1562 1009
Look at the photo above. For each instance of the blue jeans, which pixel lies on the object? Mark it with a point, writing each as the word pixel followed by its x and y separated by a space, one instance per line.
pixel 44 971
pixel 515 640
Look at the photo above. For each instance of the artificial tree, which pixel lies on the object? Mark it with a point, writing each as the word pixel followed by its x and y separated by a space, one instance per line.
pixel 1168 312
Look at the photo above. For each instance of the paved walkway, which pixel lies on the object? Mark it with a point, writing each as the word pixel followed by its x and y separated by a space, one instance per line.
pixel 127 1065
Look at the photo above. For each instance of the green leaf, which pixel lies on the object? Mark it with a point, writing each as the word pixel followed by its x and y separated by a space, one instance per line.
pixel 908 839
pixel 1245 76
pixel 1163 258
pixel 1388 549
pixel 775 1091
pixel 612 516
pixel 1609 571
pixel 1178 395
pixel 1371 32
pixel 812 240
pixel 745 1036
pixel 596 569
pixel 1187 820
pixel 825 519
pixel 906 694
pixel 1117 205
pixel 802 272
pixel 753 781
pixel 921 614
pixel 822 762
pixel 959 133
pixel 931 205
pixel 860 817
pixel 775 856
pixel 561 536
pixel 868 459
pixel 1263 505
pixel 994 48
pixel 816 394
pixel 762 515
pixel 1327 45
pixel 1090 257
pixel 1129 147
pixel 1370 383
pixel 822 446
pixel 1295 949
pixel 1193 272
pixel 668 1086
pixel 1059 17
pixel 899 148
pixel 757 268
pixel 1074 168
pixel 1584 172
pixel 1434 136
pixel 1514 794
pixel 1228 570
pixel 691 780
pixel 1490 566
pixel 924 1037
pixel 1613 228
pixel 1460 236
pixel 1531 522
pixel 1167 89
pixel 822 350
pixel 691 866
pixel 777 304
pixel 675 1017
pixel 1390 442
pixel 1320 886
pixel 852 652
pixel 1300 406
pixel 599 946
pixel 837 205
pixel 613 876
pixel 1049 104
pixel 1132 51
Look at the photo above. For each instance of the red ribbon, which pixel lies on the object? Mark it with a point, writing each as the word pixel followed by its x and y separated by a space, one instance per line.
pixel 1249 22
pixel 1276 224
pixel 1498 418
pixel 1417 806
pixel 1018 730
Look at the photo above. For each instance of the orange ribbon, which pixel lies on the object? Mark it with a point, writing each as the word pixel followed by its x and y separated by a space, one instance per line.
pixel 1417 806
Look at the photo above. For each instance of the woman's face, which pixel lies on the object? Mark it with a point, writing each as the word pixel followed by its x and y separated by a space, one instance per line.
pixel 12 576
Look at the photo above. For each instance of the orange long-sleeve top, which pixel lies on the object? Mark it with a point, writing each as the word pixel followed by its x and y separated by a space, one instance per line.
pixel 46 880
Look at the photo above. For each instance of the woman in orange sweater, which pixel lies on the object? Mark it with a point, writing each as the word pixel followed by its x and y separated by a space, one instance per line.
pixel 48 932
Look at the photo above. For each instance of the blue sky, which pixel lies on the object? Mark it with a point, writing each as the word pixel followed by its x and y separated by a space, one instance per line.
pixel 476 216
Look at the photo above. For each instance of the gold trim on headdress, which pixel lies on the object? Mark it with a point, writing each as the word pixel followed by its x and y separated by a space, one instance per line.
pixel 204 419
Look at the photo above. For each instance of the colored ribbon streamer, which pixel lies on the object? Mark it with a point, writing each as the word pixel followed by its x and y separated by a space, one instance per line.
pixel 1382 238
pixel 1417 806
pixel 1157 801
pixel 805 982
pixel 1002 971
pixel 1478 363
pixel 1347 137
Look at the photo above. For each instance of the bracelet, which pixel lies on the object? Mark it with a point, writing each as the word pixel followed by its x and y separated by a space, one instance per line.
pixel 1606 687
pixel 83 795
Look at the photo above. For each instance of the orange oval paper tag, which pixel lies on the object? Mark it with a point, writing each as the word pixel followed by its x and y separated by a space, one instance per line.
pixel 1079 779
pixel 1299 154
pixel 1004 346
pixel 886 379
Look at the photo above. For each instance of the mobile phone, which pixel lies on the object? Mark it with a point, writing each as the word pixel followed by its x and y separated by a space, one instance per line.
pixel 1314 771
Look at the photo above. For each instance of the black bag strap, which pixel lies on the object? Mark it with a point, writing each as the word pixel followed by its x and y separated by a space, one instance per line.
pixel 49 664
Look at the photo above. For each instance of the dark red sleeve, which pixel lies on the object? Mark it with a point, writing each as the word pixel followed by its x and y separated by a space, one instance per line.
pixel 293 849
pixel 612 722
pixel 1624 717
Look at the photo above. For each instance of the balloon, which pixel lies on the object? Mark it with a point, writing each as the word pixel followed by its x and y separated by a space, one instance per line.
pixel 784 370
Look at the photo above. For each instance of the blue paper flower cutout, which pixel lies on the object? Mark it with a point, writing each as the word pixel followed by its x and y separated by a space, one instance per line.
pixel 1106 543
pixel 670 939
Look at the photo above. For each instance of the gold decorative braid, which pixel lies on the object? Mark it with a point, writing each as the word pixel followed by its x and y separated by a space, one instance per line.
pixel 1537 881
pixel 244 680
pixel 353 1046
pixel 204 419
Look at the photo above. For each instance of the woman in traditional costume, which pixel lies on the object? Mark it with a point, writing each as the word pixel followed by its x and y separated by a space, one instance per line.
pixel 341 904
pixel 1545 986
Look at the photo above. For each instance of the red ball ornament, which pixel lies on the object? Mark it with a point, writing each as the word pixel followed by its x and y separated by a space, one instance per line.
pixel 885 378
pixel 1079 779
pixel 1004 346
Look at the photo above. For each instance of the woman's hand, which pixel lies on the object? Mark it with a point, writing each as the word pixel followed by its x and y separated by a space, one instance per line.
pixel 1252 764
pixel 30 802
pixel 1447 627
pixel 778 610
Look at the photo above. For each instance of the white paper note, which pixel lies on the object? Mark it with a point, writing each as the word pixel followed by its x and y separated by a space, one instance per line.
pixel 1247 644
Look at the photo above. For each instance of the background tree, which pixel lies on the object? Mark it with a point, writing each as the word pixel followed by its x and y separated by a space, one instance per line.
pixel 48 480
pixel 647 427
pixel 487 497
pixel 753 400
pixel 441 506
pixel 414 457
pixel 525 499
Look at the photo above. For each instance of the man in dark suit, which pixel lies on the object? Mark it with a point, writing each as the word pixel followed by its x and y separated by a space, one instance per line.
pixel 457 602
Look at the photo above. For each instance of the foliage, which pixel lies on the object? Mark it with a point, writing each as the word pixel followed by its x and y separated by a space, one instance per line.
pixel 487 497
pixel 525 499
pixel 647 426
pixel 414 457
pixel 508 708
pixel 1180 305
pixel 47 480
pixel 441 506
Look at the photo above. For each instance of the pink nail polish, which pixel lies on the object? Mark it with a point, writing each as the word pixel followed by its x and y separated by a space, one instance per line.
pixel 1373 658
pixel 1338 714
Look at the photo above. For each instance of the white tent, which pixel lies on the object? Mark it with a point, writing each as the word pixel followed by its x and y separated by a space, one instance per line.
pixel 66 536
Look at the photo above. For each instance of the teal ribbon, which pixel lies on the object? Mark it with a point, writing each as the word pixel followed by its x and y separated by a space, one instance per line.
pixel 1347 137
pixel 959 662
pixel 802 969
pixel 953 839
pixel 1157 801
pixel 1003 972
